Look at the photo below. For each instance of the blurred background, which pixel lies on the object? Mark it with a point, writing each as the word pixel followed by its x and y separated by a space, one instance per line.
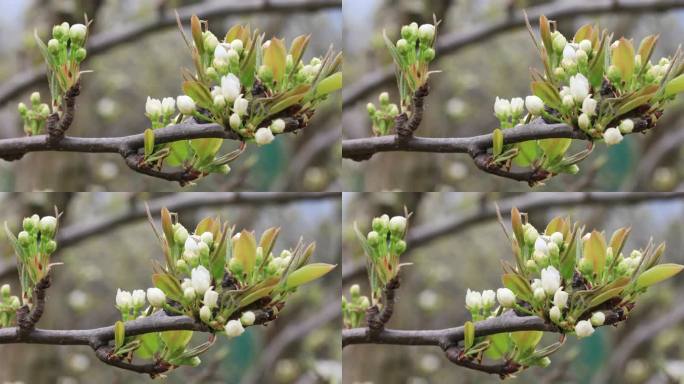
pixel 105 243
pixel 112 101
pixel 456 243
pixel 462 96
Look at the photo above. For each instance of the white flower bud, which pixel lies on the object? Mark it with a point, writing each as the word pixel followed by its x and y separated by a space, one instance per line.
pixel 517 106
pixel 186 105
pixel 153 107
pixel 597 319
pixel 123 299
pixel 540 245
pixel 189 293
pixel 278 126
pixel 220 52
pixel 626 126
pixel 207 238
pixel 530 234
pixel 502 108
pixel 210 298
pixel 240 106
pixel 138 298
pixel 535 105
pixel 473 300
pixel 230 87
pixel 426 32
pixel 237 45
pixel 219 101
pixel 247 318
pixel 5 290
pixel 235 121
pixel 585 45
pixel 583 328
pixel 211 42
pixel 263 136
pixel 191 245
pixel 77 33
pixel 205 314
pixel 569 53
pixel 156 297
pixel 488 298
pixel 568 101
pixel 559 42
pixel 560 299
pixel 506 297
pixel 612 136
pixel 168 106
pixel 47 225
pixel 589 106
pixel 550 279
pixel 201 279
pixel 397 225
pixel 555 314
pixel 579 87
pixel 234 328
pixel 583 121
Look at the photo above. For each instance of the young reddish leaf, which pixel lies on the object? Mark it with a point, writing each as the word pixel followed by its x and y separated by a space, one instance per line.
pixel 646 48
pixel 275 57
pixel 545 30
pixel 196 28
pixel 595 251
pixel 585 32
pixel 169 285
pixel 244 250
pixel 298 47
pixel 518 285
pixel 623 58
pixel 617 241
pixel 268 238
pixel 167 225
pixel 516 223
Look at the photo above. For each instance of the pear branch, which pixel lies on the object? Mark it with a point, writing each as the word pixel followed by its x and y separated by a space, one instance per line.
pixel 133 32
pixel 453 42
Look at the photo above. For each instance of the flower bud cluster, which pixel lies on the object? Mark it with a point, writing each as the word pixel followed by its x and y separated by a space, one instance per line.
pixel 354 309
pixel 383 117
pixel 35 116
pixel 8 306
pixel 34 245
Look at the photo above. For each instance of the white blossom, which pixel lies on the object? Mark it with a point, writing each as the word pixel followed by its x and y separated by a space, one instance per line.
pixel 555 314
pixel 426 32
pixel 278 126
pixel 540 245
pixel 583 328
pixel 210 298
pixel 589 106
pixel 138 298
pixel 397 224
pixel 156 297
pixel 247 318
pixel 473 300
pixel 579 87
pixel 263 136
pixel 153 107
pixel 168 106
pixel 560 299
pixel 230 87
pixel 502 108
pixel 48 225
pixel 186 105
pixel 535 105
pixel 237 45
pixel 78 32
pixel 488 298
pixel 517 106
pixel 506 297
pixel 598 318
pixel 612 136
pixel 201 279
pixel 550 279
pixel 123 299
pixel 569 53
pixel 626 126
pixel 234 328
pixel 240 106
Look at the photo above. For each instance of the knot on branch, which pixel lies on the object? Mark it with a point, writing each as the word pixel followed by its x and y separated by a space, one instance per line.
pixel 105 354
pixel 503 370
pixel 28 318
pixel 406 126
pixel 56 129
pixel 484 162
pixel 137 163
pixel 377 319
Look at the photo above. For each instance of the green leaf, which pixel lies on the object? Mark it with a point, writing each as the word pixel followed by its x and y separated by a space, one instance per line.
pixel 585 32
pixel 646 49
pixel 468 335
pixel 598 63
pixel 256 295
pixel 119 334
pixel 657 274
pixel 547 93
pixel 149 142
pixel 307 274
pixel 595 251
pixel 605 296
pixel 497 142
pixel 169 285
pixel 555 148
pixel 198 92
pixel 528 152
pixel 149 344
pixel 674 86
pixel 617 241
pixel 275 57
pixel 330 84
pixel 298 47
pixel 499 346
pixel 286 103
pixel 569 257
pixel 176 341
pixel 179 153
pixel 526 341
pixel 623 58
pixel 518 285
pixel 206 149
pixel 516 223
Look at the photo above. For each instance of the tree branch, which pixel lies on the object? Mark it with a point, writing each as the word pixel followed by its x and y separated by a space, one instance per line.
pixel 132 32
pixel 530 202
pixel 127 146
pixel 455 41
pixel 377 319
